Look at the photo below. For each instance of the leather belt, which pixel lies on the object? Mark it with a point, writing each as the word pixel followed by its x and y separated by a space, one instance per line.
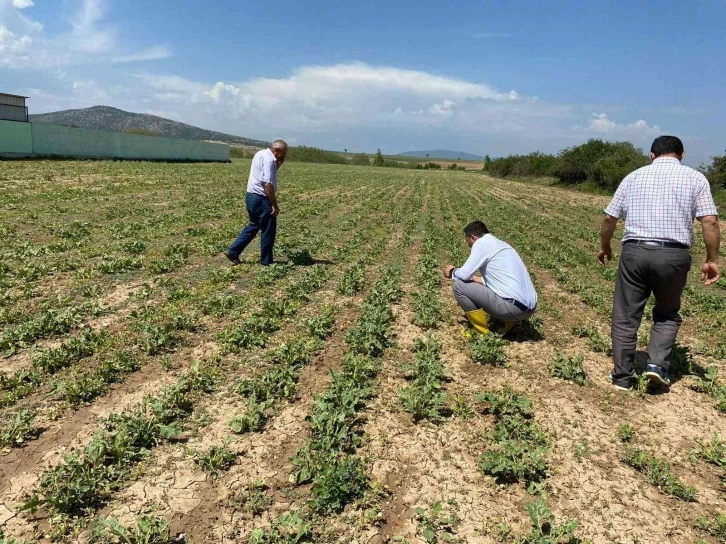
pixel 656 243
pixel 519 305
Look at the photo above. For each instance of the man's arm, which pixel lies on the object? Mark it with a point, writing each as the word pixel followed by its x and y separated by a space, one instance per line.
pixel 270 192
pixel 712 239
pixel 477 258
pixel 606 235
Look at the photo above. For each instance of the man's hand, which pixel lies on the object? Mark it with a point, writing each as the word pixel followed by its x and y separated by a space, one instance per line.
pixel 604 255
pixel 275 211
pixel 447 271
pixel 710 273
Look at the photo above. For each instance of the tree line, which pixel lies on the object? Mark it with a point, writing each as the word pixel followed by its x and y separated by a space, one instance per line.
pixel 596 162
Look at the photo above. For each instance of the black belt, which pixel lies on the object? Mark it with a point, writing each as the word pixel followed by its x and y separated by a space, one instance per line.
pixel 519 305
pixel 656 243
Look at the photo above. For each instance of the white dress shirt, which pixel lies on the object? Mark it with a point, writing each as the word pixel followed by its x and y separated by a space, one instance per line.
pixel 262 171
pixel 501 268
pixel 660 202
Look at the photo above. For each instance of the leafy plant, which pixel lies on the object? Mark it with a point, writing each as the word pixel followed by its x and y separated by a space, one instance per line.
pixel 253 498
pixel 18 429
pixel 658 473
pixel 290 528
pixel 488 349
pixel 437 525
pixel 216 459
pixel 626 432
pixel 714 525
pixel 545 530
pixel 149 529
pixel 569 368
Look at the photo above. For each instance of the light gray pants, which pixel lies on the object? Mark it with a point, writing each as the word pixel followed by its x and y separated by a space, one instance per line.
pixel 472 296
pixel 644 270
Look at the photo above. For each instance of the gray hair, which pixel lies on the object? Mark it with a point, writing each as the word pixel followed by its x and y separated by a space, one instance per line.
pixel 279 144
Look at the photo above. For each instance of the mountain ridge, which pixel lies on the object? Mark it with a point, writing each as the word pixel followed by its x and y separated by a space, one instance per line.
pixel 114 119
pixel 443 154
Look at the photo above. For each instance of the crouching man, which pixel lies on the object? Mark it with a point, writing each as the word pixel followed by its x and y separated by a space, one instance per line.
pixel 504 290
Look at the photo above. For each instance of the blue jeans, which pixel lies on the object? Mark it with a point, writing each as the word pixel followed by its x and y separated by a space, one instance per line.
pixel 259 209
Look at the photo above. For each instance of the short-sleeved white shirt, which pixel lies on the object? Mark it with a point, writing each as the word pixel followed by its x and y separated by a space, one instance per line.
pixel 501 268
pixel 661 201
pixel 262 171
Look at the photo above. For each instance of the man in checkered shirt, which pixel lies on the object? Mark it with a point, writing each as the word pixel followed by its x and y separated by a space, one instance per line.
pixel 659 203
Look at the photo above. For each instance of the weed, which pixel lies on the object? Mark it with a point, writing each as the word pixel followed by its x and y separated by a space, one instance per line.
pixel 626 432
pixel 658 473
pixel 569 368
pixel 118 265
pixel 461 407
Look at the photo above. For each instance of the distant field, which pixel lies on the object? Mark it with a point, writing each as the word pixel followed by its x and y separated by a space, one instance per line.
pixel 331 397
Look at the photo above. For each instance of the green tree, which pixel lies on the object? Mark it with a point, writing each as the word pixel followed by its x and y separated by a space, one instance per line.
pixel 716 172
pixel 378 160
pixel 140 131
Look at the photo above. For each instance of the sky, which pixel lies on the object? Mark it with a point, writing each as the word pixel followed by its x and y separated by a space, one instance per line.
pixel 483 77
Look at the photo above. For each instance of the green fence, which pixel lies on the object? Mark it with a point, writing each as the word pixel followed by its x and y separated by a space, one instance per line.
pixel 16 139
pixel 47 140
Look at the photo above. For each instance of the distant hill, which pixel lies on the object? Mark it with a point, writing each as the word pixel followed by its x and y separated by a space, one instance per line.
pixel 108 118
pixel 443 154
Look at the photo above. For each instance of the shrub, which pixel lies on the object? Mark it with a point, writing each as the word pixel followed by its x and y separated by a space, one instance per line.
pixel 716 172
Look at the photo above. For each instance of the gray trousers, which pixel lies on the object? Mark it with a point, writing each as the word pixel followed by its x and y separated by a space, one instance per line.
pixel 472 296
pixel 644 270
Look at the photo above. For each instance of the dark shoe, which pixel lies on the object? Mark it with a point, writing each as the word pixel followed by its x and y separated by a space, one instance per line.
pixel 657 374
pixel 622 384
pixel 234 260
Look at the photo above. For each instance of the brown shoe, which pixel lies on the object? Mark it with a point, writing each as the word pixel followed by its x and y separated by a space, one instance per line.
pixel 234 260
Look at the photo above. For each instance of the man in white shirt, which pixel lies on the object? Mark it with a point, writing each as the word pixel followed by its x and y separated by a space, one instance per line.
pixel 659 203
pixel 504 290
pixel 261 202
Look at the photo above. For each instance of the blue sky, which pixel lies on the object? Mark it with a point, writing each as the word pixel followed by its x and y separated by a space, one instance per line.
pixel 482 77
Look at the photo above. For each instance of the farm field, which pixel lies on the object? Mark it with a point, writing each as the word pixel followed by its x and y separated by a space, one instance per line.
pixel 152 393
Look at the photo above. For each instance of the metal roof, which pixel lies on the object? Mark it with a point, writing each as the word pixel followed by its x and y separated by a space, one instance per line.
pixel 15 95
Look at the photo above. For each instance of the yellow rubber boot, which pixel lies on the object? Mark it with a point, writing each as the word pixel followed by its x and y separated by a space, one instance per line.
pixel 509 326
pixel 478 320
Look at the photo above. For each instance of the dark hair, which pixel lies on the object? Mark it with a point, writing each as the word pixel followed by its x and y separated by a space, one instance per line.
pixel 476 228
pixel 663 145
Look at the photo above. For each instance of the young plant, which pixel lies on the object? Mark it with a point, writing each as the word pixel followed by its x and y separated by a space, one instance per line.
pixel 438 525
pixel 216 459
pixel 545 530
pixel 488 349
pixel 18 429
pixel 626 432
pixel 569 368
pixel 658 473
pixel 149 529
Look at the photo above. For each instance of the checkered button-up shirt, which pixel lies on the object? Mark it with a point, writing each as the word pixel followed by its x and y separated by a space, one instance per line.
pixel 660 202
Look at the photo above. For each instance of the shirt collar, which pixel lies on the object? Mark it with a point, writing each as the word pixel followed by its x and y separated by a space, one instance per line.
pixel 666 159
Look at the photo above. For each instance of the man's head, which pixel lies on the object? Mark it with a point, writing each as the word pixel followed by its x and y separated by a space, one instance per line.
pixel 279 149
pixel 474 231
pixel 667 146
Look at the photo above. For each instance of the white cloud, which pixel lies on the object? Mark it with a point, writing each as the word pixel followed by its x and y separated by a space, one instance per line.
pixel 158 52
pixel 442 109
pixel 341 96
pixel 88 38
pixel 601 124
